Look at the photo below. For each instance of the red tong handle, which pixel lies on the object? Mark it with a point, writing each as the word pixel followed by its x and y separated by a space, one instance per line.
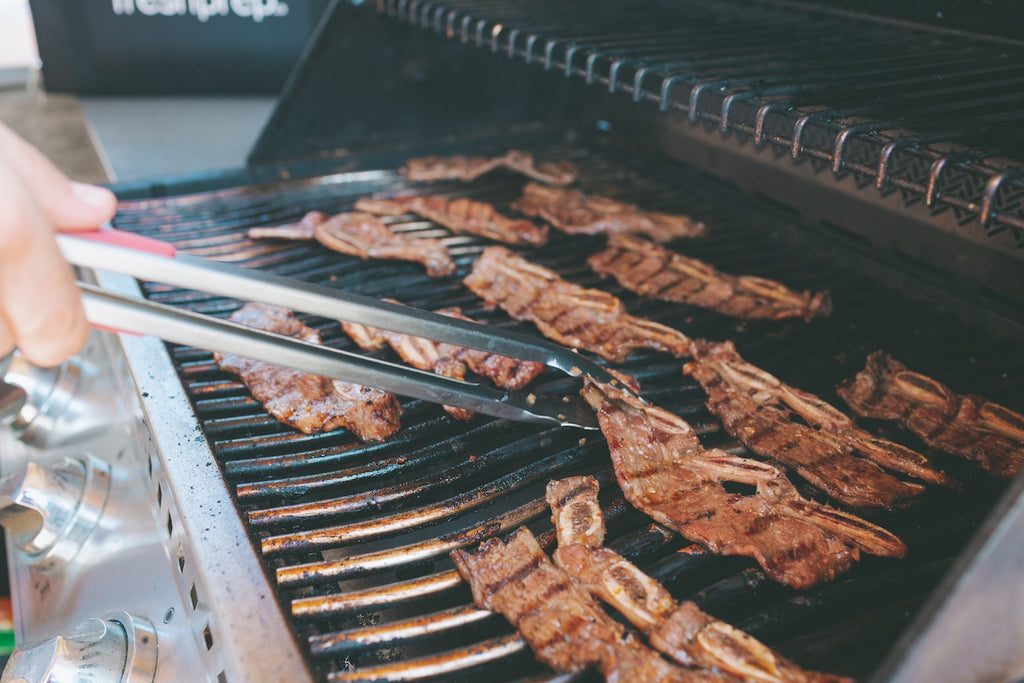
pixel 129 240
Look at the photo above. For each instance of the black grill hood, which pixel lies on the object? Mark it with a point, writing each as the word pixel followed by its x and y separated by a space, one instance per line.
pixel 898 137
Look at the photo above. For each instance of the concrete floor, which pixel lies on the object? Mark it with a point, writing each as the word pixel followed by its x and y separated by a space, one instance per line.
pixel 57 126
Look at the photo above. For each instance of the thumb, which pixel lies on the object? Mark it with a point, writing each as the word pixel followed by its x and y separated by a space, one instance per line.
pixel 67 205
pixel 89 206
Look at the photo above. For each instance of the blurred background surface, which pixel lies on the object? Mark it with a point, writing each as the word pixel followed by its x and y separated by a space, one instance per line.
pixel 127 137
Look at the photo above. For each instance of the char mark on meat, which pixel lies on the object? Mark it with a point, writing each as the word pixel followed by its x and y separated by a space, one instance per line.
pixel 467 168
pixel 302 230
pixel 561 172
pixel 309 403
pixel 682 631
pixel 967 426
pixel 458 167
pixel 564 626
pixel 366 236
pixel 652 270
pixel 573 212
pixel 567 313
pixel 664 472
pixel 823 446
pixel 447 359
pixel 464 216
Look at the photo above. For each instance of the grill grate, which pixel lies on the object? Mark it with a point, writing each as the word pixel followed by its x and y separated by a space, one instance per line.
pixel 356 536
pixel 930 112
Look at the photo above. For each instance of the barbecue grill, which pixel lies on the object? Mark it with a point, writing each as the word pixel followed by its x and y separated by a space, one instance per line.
pixel 874 157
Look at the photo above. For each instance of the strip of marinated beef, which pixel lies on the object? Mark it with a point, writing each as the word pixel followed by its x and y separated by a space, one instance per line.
pixel 447 359
pixel 803 432
pixel 664 472
pixel 309 402
pixel 469 168
pixel 363 235
pixel 652 270
pixel 573 212
pixel 564 626
pixel 462 215
pixel 567 313
pixel 680 630
pixel 967 426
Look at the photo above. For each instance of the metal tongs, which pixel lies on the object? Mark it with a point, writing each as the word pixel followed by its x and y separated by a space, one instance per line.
pixel 155 261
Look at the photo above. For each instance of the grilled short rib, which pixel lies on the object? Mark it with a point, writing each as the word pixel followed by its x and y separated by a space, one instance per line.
pixel 564 312
pixel 445 359
pixel 309 402
pixel 680 630
pixel 664 472
pixel 652 270
pixel 822 445
pixel 967 426
pixel 465 216
pixel 467 168
pixel 564 626
pixel 363 235
pixel 573 212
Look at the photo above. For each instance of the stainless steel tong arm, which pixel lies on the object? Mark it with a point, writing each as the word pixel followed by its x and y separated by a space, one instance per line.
pixel 139 316
pixel 155 261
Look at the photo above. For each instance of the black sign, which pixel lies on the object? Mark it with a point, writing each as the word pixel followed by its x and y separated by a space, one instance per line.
pixel 171 46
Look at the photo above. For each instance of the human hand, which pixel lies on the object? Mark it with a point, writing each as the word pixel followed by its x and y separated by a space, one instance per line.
pixel 40 306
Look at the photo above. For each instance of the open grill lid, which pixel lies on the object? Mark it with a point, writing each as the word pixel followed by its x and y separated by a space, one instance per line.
pixel 929 111
pixel 902 136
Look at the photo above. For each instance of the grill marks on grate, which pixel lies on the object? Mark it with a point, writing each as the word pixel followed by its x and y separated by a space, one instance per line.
pixel 386 525
pixel 358 534
pixel 442 467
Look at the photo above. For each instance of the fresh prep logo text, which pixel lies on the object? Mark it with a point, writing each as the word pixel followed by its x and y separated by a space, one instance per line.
pixel 257 10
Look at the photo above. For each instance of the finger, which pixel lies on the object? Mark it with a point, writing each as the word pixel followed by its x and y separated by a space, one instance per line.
pixel 67 205
pixel 6 339
pixel 39 301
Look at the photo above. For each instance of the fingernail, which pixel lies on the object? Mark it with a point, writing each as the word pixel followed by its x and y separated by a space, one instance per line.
pixel 93 194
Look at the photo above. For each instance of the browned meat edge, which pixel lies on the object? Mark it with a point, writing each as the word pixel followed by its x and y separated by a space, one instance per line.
pixel 467 168
pixel 564 626
pixel 664 472
pixel 465 216
pixel 967 426
pixel 652 270
pixel 447 359
pixel 366 236
pixel 572 211
pixel 803 432
pixel 566 313
pixel 682 631
pixel 308 402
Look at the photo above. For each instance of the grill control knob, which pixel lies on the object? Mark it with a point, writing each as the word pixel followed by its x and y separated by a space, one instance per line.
pixel 12 397
pixel 48 512
pixel 119 648
pixel 49 407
